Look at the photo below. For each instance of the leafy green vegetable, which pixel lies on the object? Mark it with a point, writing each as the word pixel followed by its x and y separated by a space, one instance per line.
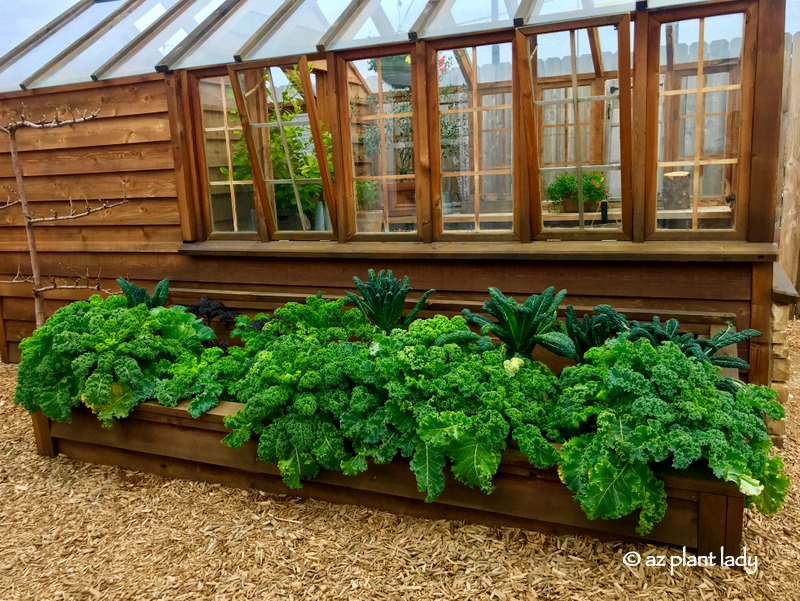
pixel 631 406
pixel 522 326
pixel 136 295
pixel 593 330
pixel 383 299
pixel 105 355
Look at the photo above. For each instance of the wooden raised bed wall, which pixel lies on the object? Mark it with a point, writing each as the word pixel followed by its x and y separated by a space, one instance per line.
pixel 703 513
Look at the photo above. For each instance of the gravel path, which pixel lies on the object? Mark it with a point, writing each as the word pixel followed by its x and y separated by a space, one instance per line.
pixel 82 532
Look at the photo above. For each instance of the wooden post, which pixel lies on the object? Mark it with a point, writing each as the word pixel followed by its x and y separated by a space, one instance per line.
pixel 3 342
pixel 41 434
pixel 764 149
pixel 761 320
pixel 790 227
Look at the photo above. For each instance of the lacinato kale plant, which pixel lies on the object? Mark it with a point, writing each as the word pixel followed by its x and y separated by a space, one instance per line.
pixel 106 355
pixel 383 299
pixel 136 295
pixel 522 326
pixel 631 406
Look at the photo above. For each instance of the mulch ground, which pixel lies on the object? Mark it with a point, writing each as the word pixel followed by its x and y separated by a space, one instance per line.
pixel 75 531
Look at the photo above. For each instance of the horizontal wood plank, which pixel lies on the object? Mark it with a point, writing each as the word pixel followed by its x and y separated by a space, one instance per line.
pixel 134 129
pixel 112 101
pixel 134 213
pixel 109 186
pixel 98 239
pixel 562 250
pixel 106 159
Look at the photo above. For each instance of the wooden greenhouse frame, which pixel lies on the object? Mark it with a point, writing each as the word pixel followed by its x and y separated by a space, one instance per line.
pixel 150 134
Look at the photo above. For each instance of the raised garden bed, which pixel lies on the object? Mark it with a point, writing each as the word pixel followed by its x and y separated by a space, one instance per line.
pixel 703 513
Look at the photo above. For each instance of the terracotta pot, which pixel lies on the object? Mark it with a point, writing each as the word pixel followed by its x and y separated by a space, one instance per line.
pixel 369 221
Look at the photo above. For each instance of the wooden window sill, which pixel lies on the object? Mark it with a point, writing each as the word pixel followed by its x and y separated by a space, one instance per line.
pixel 735 251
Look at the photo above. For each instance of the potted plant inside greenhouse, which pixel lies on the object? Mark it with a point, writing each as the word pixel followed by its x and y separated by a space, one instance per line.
pixel 369 215
pixel 563 192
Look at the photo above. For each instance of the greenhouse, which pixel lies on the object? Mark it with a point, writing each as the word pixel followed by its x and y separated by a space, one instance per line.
pixel 259 153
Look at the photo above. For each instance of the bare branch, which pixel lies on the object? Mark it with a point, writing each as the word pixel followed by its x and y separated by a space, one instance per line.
pixel 104 204
pixel 45 123
pixel 8 204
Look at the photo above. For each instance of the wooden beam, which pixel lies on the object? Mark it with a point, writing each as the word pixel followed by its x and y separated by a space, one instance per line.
pixel 523 12
pixel 425 119
pixel 625 125
pixel 180 144
pixel 424 18
pixel 340 24
pixel 319 143
pixel 45 445
pixel 764 149
pixel 44 33
pixel 343 160
pixel 3 343
pixel 81 43
pixel 465 65
pixel 527 77
pixel 266 30
pixel 597 55
pixel 142 39
pixel 197 35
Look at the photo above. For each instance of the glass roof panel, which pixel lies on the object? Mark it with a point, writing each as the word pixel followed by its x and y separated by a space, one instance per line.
pixel 379 22
pixel 41 54
pixel 219 47
pixel 27 22
pixel 302 30
pixel 145 60
pixel 546 11
pixel 81 67
pixel 459 16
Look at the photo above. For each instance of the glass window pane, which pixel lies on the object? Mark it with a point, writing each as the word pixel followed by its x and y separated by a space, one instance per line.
pixel 699 122
pixel 81 66
pixel 383 144
pixel 475 130
pixel 467 15
pixel 302 30
pixel 578 122
pixel 228 167
pixel 277 110
pixel 379 22
pixel 220 46
pixel 40 55
pixel 26 22
pixel 145 59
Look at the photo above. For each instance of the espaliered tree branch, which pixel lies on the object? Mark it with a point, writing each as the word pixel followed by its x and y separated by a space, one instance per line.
pixel 79 282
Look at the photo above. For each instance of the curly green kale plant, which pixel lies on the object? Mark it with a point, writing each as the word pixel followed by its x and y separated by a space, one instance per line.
pixel 522 326
pixel 632 406
pixel 136 295
pixel 383 299
pixel 105 355
pixel 438 392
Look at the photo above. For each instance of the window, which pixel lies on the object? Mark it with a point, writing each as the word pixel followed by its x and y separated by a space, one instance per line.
pixel 381 132
pixel 581 90
pixel 476 138
pixel 699 143
pixel 228 171
pixel 292 150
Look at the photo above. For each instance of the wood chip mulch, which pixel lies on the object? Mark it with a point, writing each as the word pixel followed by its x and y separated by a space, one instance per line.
pixel 75 531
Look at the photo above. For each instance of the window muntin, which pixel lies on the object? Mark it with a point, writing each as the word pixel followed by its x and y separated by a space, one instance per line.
pixel 229 171
pixel 277 103
pixel 475 138
pixel 382 140
pixel 700 88
pixel 577 116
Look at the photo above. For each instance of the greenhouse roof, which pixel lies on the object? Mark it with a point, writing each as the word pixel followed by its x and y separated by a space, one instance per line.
pixel 70 41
